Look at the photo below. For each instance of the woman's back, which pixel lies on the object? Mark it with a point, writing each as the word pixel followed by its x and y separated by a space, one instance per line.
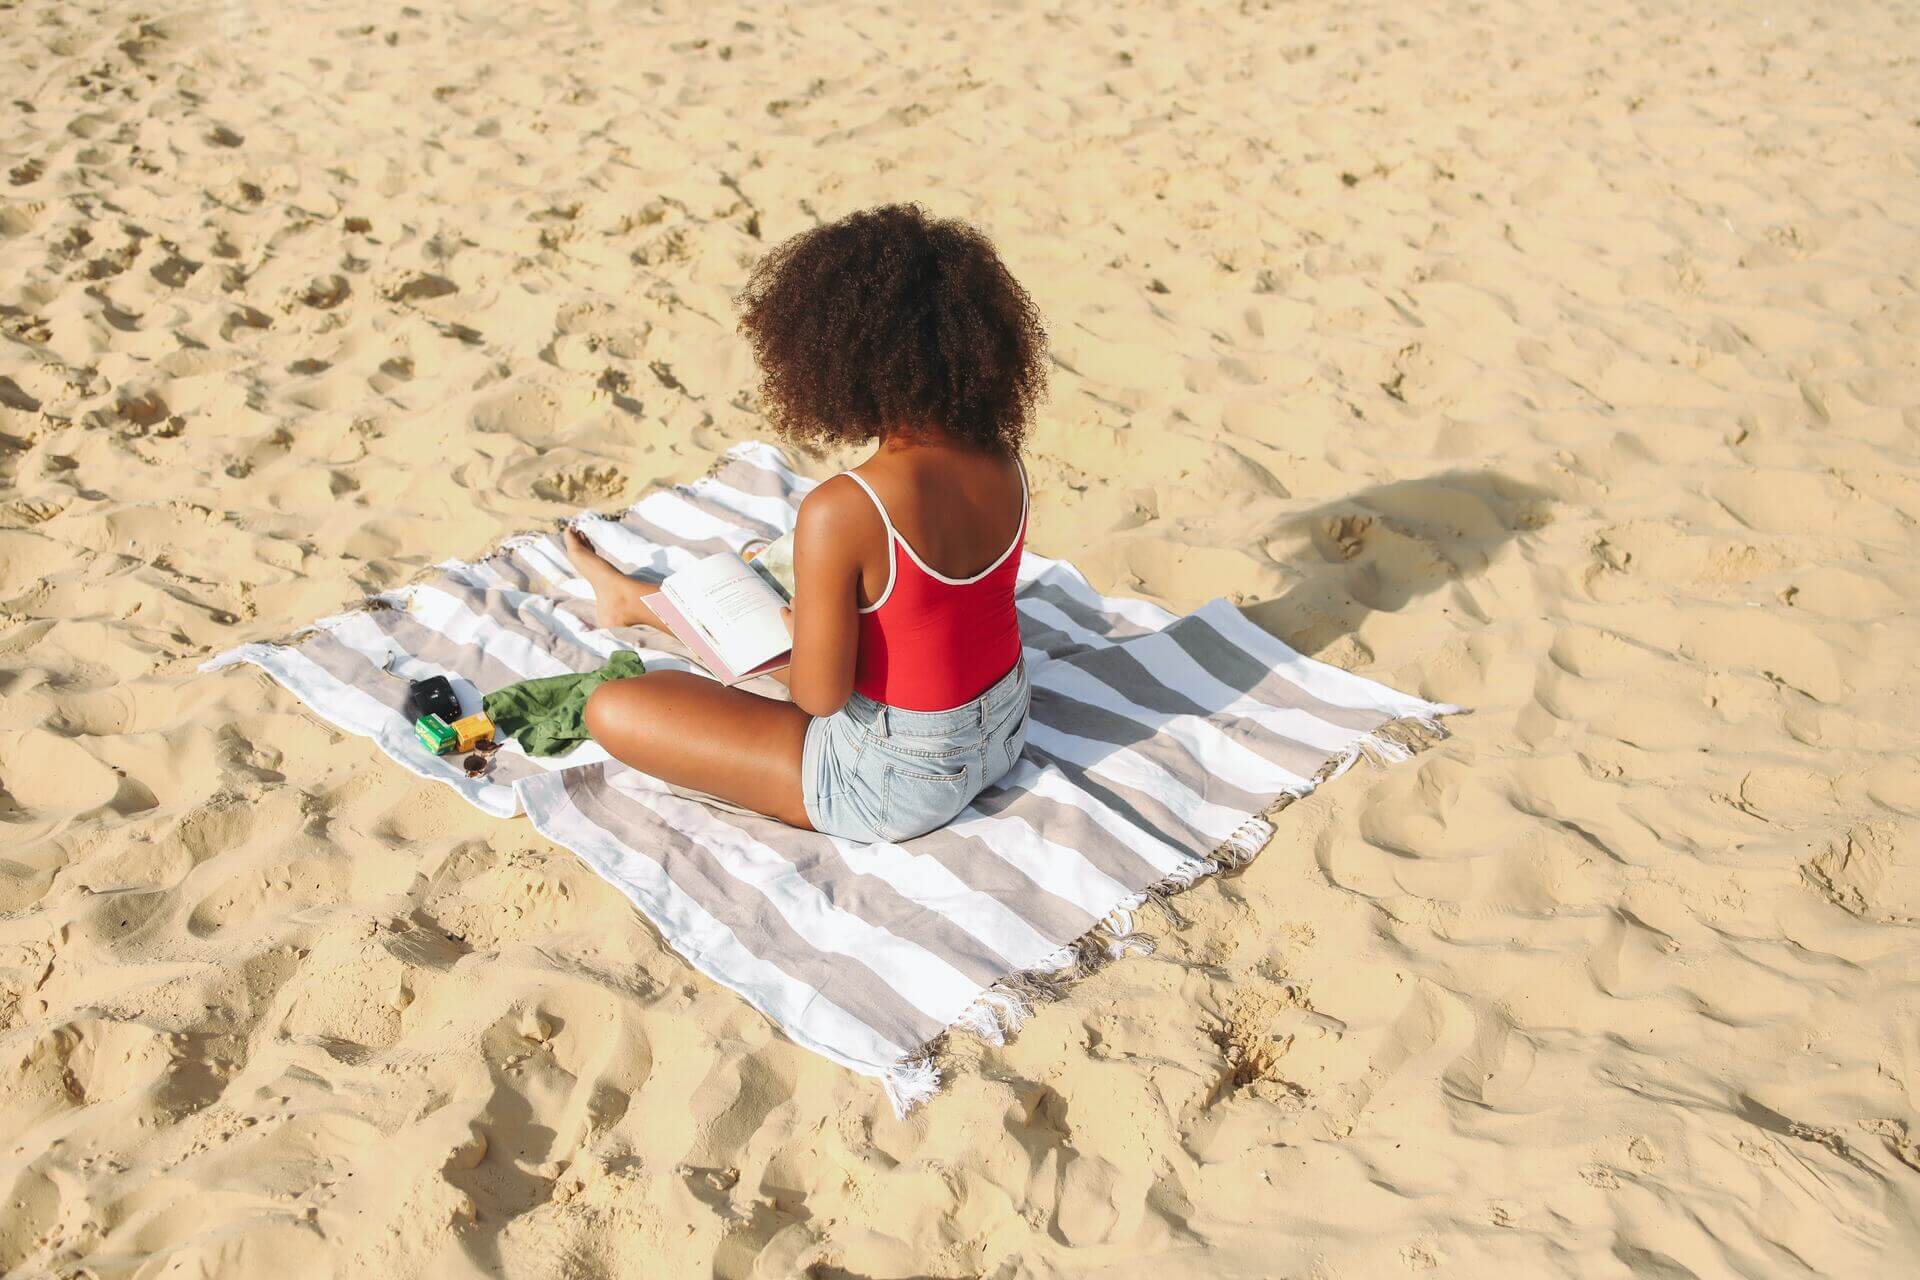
pixel 938 571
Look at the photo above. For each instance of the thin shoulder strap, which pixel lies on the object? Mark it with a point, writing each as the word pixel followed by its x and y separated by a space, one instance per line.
pixel 892 537
pixel 885 519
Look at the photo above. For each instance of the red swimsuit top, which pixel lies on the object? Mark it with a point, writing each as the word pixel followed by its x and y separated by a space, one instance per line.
pixel 933 643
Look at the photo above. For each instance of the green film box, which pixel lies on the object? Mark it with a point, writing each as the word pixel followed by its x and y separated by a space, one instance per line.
pixel 435 734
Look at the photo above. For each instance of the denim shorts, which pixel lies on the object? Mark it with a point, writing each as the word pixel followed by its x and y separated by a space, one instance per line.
pixel 871 772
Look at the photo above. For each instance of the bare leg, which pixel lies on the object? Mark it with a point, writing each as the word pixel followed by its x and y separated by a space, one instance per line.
pixel 618 601
pixel 697 733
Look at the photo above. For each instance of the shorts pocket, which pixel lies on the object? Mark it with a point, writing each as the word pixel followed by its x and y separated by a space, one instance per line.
pixel 1009 740
pixel 915 800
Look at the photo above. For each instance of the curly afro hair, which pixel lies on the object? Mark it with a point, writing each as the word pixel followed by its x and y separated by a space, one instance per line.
pixel 890 320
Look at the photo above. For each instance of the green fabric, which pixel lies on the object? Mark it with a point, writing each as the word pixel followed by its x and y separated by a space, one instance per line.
pixel 548 717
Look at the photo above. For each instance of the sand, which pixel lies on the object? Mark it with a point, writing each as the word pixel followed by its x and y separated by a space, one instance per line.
pixel 1556 360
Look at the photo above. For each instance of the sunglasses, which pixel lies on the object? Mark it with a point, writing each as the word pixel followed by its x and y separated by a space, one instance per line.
pixel 481 760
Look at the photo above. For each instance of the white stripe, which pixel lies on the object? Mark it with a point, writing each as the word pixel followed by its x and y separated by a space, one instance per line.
pixel 1060 573
pixel 358 632
pixel 778 512
pixel 921 978
pixel 802 1013
pixel 1328 683
pixel 1052 616
pixel 452 618
pixel 1126 767
pixel 1156 851
pixel 1059 869
pixel 926 882
pixel 1216 753
pixel 631 548
pixel 668 511
pixel 540 557
pixel 1180 671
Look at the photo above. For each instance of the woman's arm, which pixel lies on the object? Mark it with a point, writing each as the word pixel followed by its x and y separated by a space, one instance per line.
pixel 826 595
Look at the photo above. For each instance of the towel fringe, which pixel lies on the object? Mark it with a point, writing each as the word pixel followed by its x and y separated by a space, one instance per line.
pixel 1394 742
pixel 911 1082
pixel 1000 1010
pixel 1243 845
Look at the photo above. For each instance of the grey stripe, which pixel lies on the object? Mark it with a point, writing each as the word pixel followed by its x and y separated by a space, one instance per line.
pixel 351 667
pixel 468 661
pixel 750 477
pixel 819 862
pixel 1136 807
pixel 1237 669
pixel 1054 644
pixel 512 573
pixel 1111 625
pixel 660 537
pixel 728 515
pixel 1067 714
pixel 495 607
pixel 745 910
pixel 1301 759
pixel 1125 674
pixel 1073 828
pixel 538 578
pixel 984 871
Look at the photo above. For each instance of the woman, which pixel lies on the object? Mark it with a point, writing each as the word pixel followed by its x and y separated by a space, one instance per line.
pixel 909 693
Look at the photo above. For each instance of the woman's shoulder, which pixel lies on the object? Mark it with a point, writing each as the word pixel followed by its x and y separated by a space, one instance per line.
pixel 838 507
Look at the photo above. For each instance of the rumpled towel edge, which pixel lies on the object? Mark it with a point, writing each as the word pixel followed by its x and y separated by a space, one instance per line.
pixel 1003 1008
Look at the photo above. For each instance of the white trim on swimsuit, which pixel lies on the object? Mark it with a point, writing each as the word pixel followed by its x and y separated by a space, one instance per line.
pixel 893 536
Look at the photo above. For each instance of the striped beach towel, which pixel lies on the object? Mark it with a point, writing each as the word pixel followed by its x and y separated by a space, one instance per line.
pixel 1156 747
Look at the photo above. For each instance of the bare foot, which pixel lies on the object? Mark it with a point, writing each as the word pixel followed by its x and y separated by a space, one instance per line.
pixel 618 601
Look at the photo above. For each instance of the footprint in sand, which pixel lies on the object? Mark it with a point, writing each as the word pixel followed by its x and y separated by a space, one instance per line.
pixel 583 485
pixel 1346 534
pixel 326 292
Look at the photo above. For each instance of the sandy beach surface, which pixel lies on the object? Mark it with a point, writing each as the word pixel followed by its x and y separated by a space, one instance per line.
pixel 1558 360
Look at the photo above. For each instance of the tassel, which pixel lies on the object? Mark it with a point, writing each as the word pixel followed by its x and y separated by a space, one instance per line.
pixel 1129 943
pixel 1163 898
pixel 1117 934
pixel 1244 844
pixel 979 1019
pixel 1383 750
pixel 910 1083
pixel 1184 876
pixel 998 1013
pixel 1010 1008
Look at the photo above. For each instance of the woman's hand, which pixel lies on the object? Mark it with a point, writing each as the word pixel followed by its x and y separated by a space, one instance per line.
pixel 785 674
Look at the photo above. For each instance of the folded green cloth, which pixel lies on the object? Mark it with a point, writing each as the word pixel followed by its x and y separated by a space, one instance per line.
pixel 548 717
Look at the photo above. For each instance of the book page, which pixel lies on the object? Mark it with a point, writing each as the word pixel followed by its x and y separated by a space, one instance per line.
pixel 736 610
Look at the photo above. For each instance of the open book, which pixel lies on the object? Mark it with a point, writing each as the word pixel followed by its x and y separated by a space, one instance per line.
pixel 728 612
